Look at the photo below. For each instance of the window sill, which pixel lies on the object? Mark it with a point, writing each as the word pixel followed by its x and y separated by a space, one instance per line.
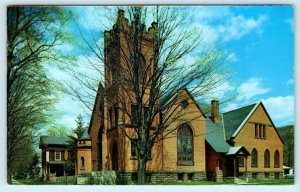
pixel 135 158
pixel 185 163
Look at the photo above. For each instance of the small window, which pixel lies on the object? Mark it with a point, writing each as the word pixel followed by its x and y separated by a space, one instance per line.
pixel 256 130
pixel 57 155
pixel 254 158
pixel 267 159
pixel 184 104
pixel 254 175
pixel 241 161
pixel 134 151
pixel 276 175
pixel 267 175
pixel 146 114
pixel 110 113
pixel 260 131
pixel 134 114
pixel 180 176
pixel 116 117
pixel 190 176
pixel 82 162
pixel 276 159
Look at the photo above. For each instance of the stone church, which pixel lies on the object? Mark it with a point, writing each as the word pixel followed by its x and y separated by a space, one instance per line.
pixel 242 143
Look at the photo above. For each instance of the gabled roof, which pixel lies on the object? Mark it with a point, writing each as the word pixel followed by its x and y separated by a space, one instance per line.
pixel 215 135
pixel 53 140
pixel 234 120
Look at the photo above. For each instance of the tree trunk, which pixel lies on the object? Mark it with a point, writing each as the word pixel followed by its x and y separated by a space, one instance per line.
pixel 141 171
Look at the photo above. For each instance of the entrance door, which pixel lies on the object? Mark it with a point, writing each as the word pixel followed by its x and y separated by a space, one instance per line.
pixel 114 157
pixel 229 167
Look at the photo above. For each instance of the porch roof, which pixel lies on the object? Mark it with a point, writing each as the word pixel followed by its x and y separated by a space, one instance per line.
pixel 238 151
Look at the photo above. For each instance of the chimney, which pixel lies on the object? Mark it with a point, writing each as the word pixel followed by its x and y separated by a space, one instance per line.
pixel 215 111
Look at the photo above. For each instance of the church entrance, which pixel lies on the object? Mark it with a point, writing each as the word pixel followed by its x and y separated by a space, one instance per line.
pixel 114 157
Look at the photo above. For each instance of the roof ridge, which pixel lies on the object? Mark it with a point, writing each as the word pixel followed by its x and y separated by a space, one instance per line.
pixel 241 108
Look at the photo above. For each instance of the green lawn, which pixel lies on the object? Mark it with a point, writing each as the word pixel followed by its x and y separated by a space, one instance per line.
pixel 39 182
pixel 72 181
pixel 271 182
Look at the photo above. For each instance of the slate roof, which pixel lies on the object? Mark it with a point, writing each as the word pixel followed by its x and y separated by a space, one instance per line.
pixel 215 136
pixel 53 140
pixel 233 119
pixel 218 134
pixel 85 136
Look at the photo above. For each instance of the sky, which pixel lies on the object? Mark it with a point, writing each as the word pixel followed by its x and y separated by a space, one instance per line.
pixel 258 40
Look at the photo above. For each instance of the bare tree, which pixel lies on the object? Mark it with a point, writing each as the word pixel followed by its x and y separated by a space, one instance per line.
pixel 147 69
pixel 32 34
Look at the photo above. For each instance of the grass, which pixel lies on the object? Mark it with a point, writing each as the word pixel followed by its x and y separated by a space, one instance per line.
pixel 251 182
pixel 71 181
pixel 284 181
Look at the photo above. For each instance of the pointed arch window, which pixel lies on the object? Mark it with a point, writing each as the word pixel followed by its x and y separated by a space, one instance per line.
pixel 185 145
pixel 267 158
pixel 276 159
pixel 254 158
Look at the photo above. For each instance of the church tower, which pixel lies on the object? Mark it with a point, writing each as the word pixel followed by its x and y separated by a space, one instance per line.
pixel 119 51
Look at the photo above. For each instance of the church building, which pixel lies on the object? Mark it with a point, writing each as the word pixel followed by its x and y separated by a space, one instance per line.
pixel 241 143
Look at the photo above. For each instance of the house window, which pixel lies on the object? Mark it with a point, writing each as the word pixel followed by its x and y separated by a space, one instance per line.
pixel 180 176
pixel 256 130
pixel 260 131
pixel 254 158
pixel 241 161
pixel 116 117
pixel 185 145
pixel 51 155
pixel 57 155
pixel 190 176
pixel 276 159
pixel 82 162
pixel 184 104
pixel 146 115
pixel 134 114
pixel 267 158
pixel 134 148
pixel 110 117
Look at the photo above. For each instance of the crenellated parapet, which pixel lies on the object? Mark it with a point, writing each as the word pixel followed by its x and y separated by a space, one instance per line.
pixel 123 25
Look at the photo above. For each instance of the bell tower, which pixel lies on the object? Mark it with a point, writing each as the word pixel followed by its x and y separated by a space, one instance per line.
pixel 119 51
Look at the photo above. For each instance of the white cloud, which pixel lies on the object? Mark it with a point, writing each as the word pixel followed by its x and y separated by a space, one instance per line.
pixel 67 111
pixel 205 13
pixel 251 88
pixel 232 57
pixel 281 109
pixel 229 107
pixel 238 26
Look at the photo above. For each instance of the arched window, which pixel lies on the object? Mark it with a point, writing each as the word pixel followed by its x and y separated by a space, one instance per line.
pixel 185 145
pixel 267 158
pixel 254 158
pixel 276 159
pixel 82 162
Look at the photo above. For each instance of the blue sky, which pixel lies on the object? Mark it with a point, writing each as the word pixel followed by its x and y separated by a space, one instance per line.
pixel 259 41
